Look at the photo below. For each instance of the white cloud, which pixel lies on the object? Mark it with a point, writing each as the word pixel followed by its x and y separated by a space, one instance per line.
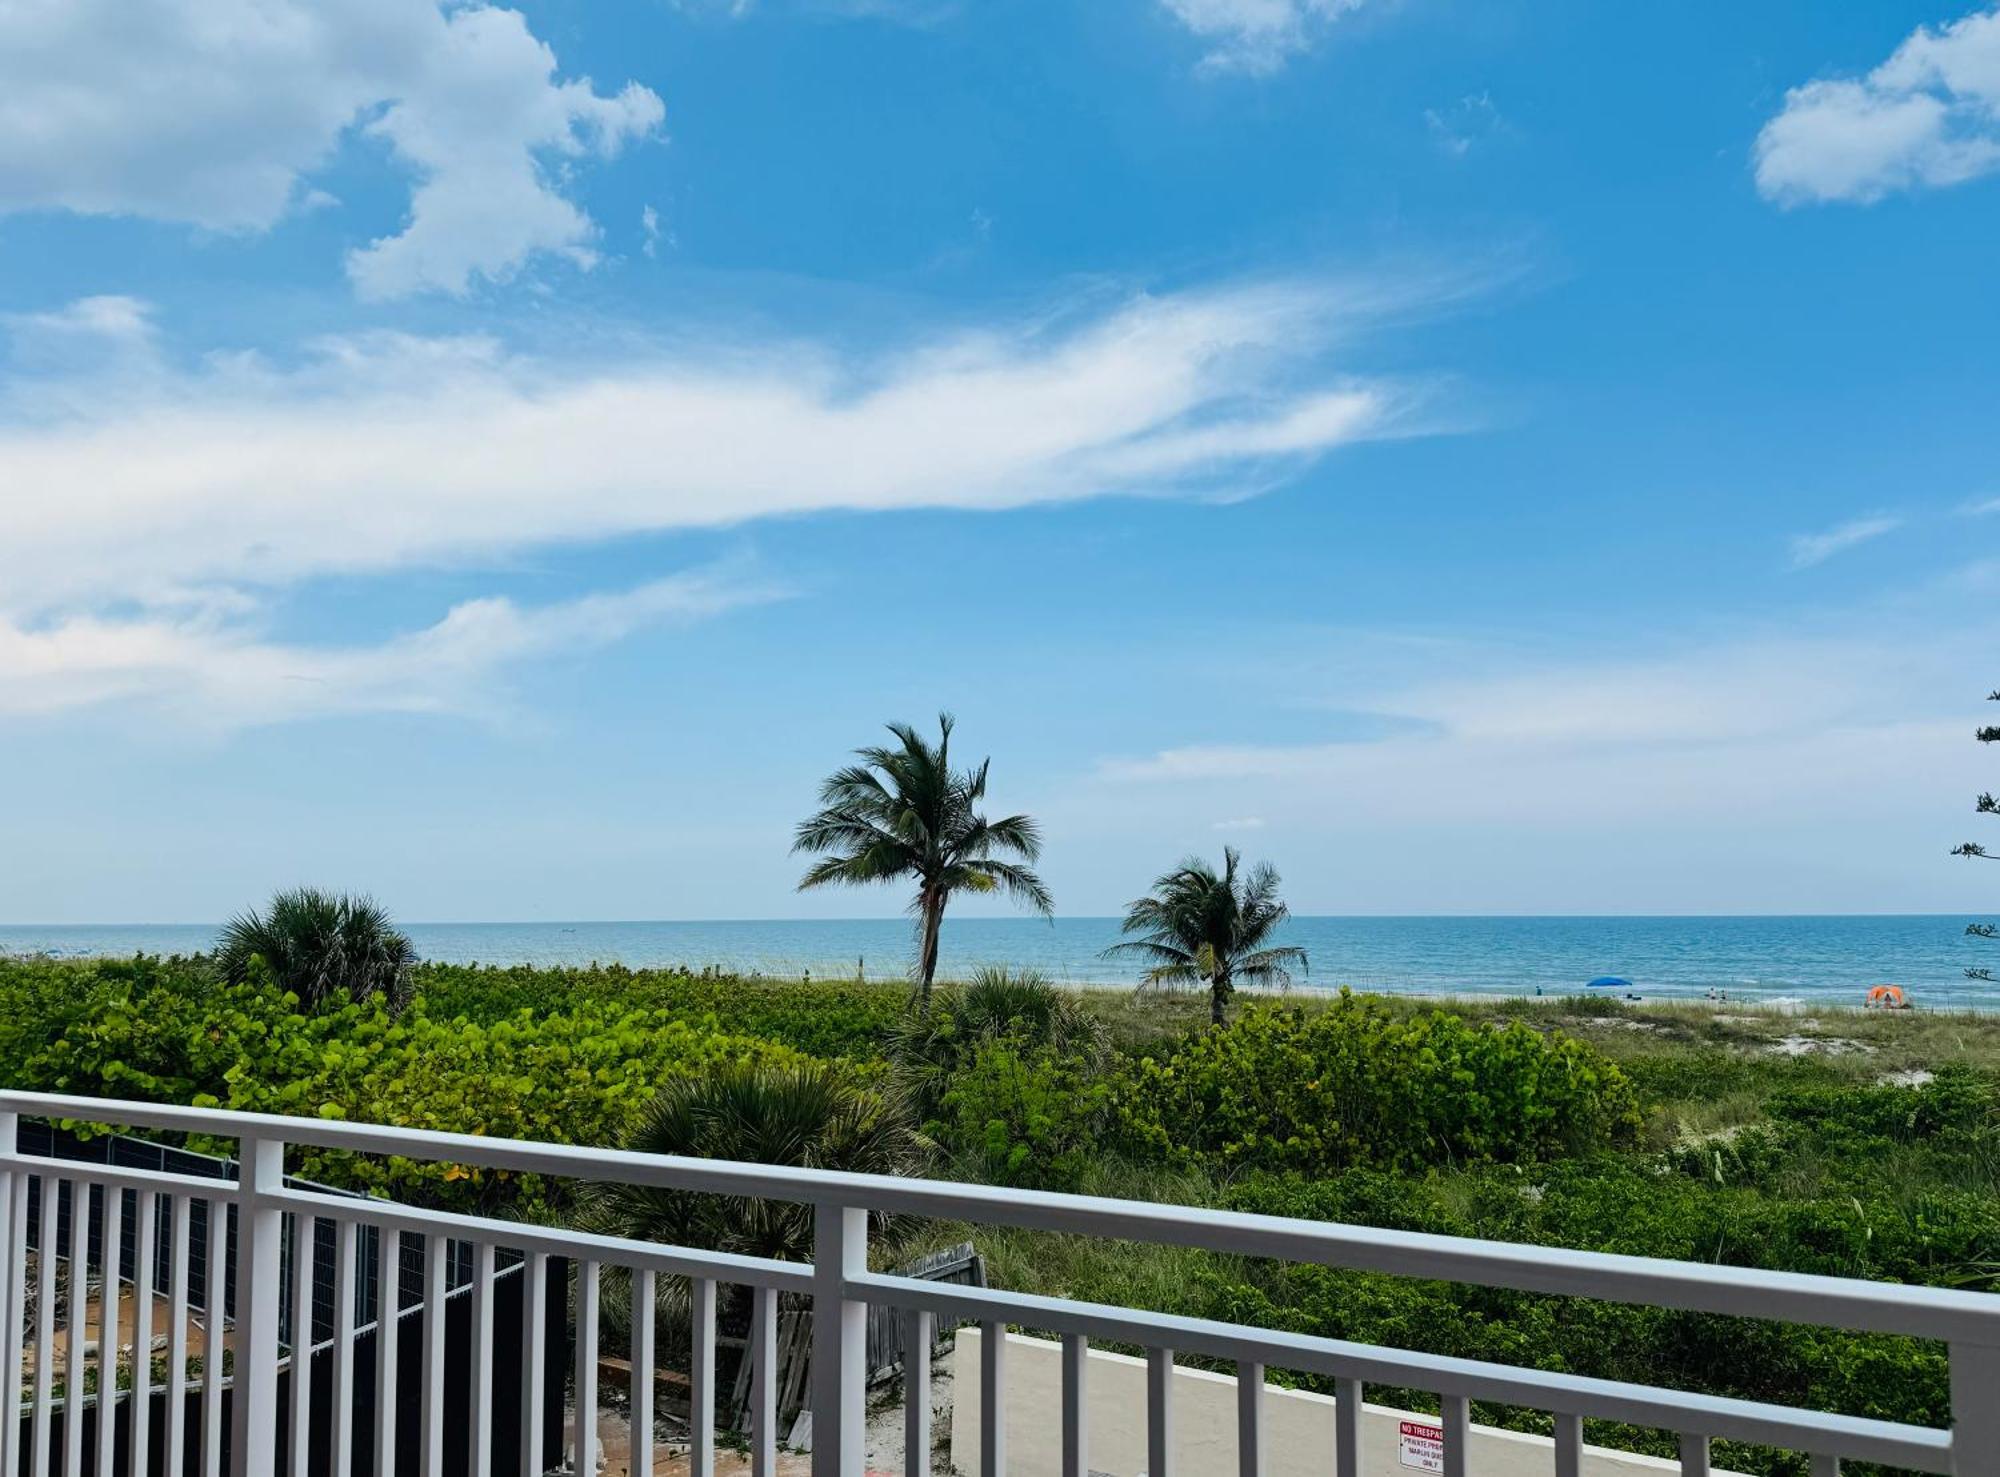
pixel 217 112
pixel 1466 124
pixel 1240 823
pixel 211 667
pixel 1256 36
pixel 1809 549
pixel 152 507
pixel 1737 729
pixel 1927 117
pixel 380 453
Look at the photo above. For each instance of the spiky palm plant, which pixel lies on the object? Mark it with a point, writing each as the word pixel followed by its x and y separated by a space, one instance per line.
pixel 814 1115
pixel 1198 927
pixel 903 813
pixel 322 946
pixel 996 1004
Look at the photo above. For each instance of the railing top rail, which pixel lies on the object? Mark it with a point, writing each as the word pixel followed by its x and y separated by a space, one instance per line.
pixel 719 1266
pixel 1831 1302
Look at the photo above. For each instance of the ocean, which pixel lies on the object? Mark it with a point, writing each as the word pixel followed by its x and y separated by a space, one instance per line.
pixel 1808 960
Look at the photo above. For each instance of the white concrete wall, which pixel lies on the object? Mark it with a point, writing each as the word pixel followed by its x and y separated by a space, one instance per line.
pixel 1298 1426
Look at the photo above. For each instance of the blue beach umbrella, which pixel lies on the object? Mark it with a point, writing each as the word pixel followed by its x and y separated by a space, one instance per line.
pixel 1610 982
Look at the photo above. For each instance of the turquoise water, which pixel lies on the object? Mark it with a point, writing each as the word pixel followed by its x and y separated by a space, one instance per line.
pixel 1811 959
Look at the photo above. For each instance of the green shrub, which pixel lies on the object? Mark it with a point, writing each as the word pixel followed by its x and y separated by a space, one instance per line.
pixel 930 1048
pixel 1316 1092
pixel 1015 1115
pixel 169 1032
pixel 823 1018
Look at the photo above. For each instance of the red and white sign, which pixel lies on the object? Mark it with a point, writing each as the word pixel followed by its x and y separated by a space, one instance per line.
pixel 1421 1445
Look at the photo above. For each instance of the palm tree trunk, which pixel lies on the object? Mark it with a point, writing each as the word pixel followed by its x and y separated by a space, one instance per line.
pixel 1218 991
pixel 933 920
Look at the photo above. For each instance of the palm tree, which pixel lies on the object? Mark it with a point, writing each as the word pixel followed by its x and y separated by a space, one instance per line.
pixel 321 946
pixel 1196 927
pixel 903 812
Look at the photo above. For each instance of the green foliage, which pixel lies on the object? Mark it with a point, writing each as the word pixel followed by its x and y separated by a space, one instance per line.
pixel 321 946
pixel 171 1032
pixel 1316 1092
pixel 1016 1115
pixel 809 1115
pixel 931 1048
pixel 823 1018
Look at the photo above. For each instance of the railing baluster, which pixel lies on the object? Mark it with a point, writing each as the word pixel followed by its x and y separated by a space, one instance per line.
pixel 13 1305
pixel 1694 1455
pixel 437 1256
pixel 641 1392
pixel 764 1383
pixel 916 1393
pixel 701 1378
pixel 13 1258
pixel 388 1301
pixel 304 1234
pixel 1075 1406
pixel 1569 1446
pixel 110 1242
pixel 1348 1397
pixel 1249 1419
pixel 992 1400
pixel 1975 1412
pixel 180 1229
pixel 481 1364
pixel 346 1272
pixel 146 1221
pixel 1825 1466
pixel 45 1325
pixel 215 1315
pixel 583 1452
pixel 1457 1436
pixel 534 1353
pixel 79 1328
pixel 1159 1412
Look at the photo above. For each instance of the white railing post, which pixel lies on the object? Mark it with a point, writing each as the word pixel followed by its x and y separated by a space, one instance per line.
pixel 13 1267
pixel 839 1341
pixel 260 1234
pixel 1975 1410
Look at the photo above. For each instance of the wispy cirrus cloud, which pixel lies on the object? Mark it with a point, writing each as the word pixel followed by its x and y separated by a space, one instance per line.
pixel 1926 118
pixel 211 667
pixel 192 491
pixel 1490 736
pixel 1808 549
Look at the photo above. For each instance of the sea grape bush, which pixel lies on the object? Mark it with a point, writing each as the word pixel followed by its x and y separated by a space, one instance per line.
pixel 169 1031
pixel 1018 1115
pixel 829 1018
pixel 1318 1092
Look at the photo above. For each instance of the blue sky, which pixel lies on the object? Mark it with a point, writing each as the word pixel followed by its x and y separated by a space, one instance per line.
pixel 1482 457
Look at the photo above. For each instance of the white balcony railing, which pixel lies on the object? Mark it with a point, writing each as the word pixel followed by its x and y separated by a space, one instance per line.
pixel 303 1426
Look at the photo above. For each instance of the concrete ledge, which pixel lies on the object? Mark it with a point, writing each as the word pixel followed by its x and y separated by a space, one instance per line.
pixel 1298 1425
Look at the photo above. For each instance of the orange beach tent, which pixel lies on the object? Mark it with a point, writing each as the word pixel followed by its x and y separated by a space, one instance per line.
pixel 1887 997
